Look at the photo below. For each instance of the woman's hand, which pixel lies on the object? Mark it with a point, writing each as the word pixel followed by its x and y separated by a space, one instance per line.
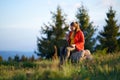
pixel 73 45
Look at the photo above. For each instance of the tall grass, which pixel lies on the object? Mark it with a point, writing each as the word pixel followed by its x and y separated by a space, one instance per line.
pixel 102 67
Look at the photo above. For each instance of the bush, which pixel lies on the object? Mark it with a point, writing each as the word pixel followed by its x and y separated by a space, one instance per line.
pixel 9 63
pixel 28 65
pixel 50 75
pixel 19 76
pixel 1 59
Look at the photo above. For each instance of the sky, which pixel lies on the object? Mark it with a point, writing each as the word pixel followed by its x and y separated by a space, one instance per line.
pixel 21 20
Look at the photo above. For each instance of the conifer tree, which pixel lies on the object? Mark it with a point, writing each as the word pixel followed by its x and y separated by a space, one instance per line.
pixel 16 58
pixel 119 42
pixel 23 58
pixel 87 27
pixel 109 36
pixel 55 33
pixel 32 58
pixel 10 58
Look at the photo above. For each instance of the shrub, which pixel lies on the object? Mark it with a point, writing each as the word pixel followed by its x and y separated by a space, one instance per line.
pixel 1 59
pixel 19 76
pixel 28 65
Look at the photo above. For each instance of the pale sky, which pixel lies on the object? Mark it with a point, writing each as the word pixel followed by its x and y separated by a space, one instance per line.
pixel 20 20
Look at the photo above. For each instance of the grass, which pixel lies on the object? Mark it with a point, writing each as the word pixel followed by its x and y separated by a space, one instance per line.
pixel 102 67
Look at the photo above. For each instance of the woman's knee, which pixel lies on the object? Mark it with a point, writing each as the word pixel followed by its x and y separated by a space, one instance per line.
pixel 68 48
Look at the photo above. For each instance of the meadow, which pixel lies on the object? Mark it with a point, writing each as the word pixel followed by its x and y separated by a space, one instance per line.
pixel 102 67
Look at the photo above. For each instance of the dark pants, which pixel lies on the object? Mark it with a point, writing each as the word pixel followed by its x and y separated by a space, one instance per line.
pixel 72 53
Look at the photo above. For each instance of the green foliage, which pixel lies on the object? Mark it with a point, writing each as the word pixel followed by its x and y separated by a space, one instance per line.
pixel 28 65
pixel 9 63
pixel 10 58
pixel 17 65
pixel 32 58
pixel 119 43
pixel 49 75
pixel 55 33
pixel 108 37
pixel 102 67
pixel 23 58
pixel 87 28
pixel 16 58
pixel 19 76
pixel 1 59
pixel 101 52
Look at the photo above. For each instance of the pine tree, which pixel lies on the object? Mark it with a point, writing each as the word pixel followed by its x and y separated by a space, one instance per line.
pixel 23 58
pixel 119 42
pixel 16 58
pixel 109 36
pixel 10 59
pixel 55 33
pixel 32 58
pixel 87 27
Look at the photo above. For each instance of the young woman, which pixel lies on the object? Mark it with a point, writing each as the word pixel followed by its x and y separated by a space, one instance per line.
pixel 75 39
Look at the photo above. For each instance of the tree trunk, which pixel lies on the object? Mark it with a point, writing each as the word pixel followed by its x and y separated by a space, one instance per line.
pixel 55 56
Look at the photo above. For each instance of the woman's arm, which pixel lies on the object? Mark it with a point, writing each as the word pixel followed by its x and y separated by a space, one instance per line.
pixel 80 42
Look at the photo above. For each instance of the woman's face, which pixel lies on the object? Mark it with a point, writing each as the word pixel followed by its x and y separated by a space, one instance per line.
pixel 72 28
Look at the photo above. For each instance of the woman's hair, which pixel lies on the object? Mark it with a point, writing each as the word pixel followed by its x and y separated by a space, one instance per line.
pixel 76 25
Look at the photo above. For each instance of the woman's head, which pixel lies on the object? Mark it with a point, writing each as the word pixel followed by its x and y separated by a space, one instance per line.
pixel 74 26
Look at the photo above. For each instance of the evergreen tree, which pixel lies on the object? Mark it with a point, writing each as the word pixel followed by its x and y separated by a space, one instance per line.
pixel 10 58
pixel 23 58
pixel 32 58
pixel 109 36
pixel 87 27
pixel 55 33
pixel 16 58
pixel 119 42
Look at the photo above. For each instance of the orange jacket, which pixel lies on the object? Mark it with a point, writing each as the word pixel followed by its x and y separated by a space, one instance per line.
pixel 78 40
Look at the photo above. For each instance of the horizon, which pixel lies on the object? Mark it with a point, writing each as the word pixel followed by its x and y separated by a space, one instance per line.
pixel 21 20
pixel 6 54
pixel 14 51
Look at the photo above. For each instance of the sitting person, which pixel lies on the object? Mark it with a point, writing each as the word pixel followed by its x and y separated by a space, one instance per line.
pixel 75 40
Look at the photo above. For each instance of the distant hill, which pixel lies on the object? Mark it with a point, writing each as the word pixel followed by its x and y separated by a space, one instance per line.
pixel 6 54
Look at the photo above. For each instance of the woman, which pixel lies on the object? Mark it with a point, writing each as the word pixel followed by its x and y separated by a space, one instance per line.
pixel 75 39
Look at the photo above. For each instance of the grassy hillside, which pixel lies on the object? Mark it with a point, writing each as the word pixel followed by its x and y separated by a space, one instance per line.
pixel 102 67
